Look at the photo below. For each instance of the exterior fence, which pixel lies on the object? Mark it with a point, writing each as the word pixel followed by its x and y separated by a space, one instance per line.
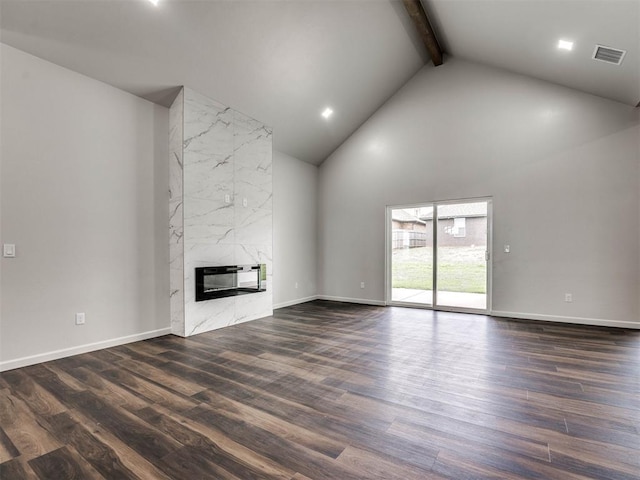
pixel 409 239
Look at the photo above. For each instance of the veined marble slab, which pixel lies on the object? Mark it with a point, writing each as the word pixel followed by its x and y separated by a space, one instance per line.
pixel 251 307
pixel 208 221
pixel 253 163
pixel 204 316
pixel 176 218
pixel 253 226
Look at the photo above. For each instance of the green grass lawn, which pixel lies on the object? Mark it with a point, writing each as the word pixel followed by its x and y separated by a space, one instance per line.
pixel 460 269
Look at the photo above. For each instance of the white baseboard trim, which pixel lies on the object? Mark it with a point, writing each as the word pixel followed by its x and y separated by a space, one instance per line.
pixel 361 301
pixel 577 320
pixel 295 302
pixel 89 347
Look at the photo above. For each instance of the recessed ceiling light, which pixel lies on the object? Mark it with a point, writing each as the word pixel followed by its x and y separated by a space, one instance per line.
pixel 565 45
pixel 327 112
pixel 155 2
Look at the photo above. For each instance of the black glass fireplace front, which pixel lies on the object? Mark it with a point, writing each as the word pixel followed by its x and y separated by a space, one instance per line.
pixel 229 281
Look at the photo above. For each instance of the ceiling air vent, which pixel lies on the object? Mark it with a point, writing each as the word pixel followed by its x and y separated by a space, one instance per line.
pixel 608 54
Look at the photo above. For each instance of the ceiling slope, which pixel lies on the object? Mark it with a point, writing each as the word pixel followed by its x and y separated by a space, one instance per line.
pixel 522 36
pixel 281 62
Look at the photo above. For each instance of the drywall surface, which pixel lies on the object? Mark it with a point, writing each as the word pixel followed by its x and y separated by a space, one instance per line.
pixel 84 198
pixel 295 230
pixel 561 166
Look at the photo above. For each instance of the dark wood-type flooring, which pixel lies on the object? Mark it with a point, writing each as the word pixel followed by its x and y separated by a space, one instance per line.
pixel 335 391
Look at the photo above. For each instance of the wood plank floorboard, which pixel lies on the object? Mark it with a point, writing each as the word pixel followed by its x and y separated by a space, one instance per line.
pixel 334 391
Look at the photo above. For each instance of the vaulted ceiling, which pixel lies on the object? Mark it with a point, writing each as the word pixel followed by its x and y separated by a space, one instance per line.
pixel 283 62
pixel 522 36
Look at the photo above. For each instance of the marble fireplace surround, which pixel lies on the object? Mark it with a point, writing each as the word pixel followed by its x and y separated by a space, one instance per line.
pixel 220 208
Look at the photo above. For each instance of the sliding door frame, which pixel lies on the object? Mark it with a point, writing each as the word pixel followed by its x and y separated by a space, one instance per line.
pixel 434 301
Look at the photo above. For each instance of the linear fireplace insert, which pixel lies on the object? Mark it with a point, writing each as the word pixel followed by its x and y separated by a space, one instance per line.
pixel 229 281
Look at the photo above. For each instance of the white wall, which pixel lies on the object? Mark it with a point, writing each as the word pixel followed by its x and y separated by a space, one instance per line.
pixel 84 196
pixel 295 204
pixel 561 166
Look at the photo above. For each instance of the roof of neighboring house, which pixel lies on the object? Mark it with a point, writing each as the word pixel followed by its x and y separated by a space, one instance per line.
pixel 478 209
pixel 404 216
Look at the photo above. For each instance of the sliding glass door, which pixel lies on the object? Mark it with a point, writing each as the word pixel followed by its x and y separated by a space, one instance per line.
pixel 438 255
pixel 412 255
pixel 461 252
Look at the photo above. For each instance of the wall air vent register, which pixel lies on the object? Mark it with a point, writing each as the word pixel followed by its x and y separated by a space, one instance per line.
pixel 608 54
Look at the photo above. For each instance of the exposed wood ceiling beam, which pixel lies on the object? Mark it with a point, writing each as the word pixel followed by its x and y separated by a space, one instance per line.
pixel 420 20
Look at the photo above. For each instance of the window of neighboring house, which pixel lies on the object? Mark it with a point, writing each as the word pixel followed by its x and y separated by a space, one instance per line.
pixel 459 227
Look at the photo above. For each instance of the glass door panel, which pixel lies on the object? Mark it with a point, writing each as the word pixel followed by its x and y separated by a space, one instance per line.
pixel 412 255
pixel 461 246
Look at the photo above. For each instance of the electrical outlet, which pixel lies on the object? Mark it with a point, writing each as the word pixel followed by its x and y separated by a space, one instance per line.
pixel 80 319
pixel 361 284
pixel 507 249
pixel 568 297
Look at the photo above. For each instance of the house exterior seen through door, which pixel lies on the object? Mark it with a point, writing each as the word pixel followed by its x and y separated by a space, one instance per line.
pixel 438 255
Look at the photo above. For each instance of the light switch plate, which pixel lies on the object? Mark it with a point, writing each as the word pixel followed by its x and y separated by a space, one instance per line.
pixel 507 248
pixel 9 250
